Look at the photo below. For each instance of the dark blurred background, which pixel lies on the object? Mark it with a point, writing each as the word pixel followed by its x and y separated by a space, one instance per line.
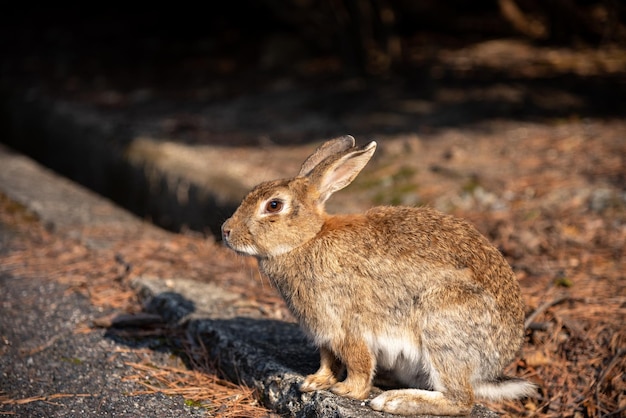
pixel 180 49
pixel 78 85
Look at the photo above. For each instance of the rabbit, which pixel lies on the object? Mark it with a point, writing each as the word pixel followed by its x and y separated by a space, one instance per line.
pixel 410 291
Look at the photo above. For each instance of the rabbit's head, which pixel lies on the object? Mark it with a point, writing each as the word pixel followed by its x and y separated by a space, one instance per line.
pixel 280 215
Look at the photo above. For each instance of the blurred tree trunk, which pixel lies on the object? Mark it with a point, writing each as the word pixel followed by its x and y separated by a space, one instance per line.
pixel 567 21
pixel 365 32
pixel 523 23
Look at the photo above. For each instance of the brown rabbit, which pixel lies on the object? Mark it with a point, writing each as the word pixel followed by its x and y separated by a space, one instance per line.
pixel 411 291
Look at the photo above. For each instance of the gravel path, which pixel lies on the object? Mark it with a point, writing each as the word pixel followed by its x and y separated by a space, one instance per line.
pixel 52 369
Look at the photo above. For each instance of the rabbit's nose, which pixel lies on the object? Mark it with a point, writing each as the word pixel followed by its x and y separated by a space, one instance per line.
pixel 225 232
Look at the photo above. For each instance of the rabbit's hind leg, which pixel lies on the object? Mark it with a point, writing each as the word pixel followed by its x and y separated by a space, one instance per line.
pixel 421 402
pixel 453 396
pixel 327 375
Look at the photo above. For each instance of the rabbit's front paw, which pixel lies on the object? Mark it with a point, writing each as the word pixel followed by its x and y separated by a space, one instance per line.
pixel 318 381
pixel 351 389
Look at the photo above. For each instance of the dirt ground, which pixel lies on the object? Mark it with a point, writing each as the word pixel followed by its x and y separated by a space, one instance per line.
pixel 531 149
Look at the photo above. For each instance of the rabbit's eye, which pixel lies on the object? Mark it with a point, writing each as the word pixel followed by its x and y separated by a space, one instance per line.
pixel 274 206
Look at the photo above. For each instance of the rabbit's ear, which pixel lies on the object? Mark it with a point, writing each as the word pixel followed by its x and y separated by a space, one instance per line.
pixel 328 148
pixel 335 174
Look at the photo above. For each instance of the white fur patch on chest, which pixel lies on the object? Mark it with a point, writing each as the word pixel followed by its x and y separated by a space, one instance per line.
pixel 399 354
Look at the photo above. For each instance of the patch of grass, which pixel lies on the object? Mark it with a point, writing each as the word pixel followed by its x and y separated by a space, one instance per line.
pixel 72 360
pixel 405 173
pixel 471 185
pixel 532 215
pixel 193 403
pixel 563 281
pixel 397 189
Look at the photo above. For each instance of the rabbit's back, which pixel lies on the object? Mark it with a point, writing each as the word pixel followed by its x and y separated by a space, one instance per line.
pixel 418 239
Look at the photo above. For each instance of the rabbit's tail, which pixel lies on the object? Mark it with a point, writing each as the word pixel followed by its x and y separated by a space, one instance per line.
pixel 504 388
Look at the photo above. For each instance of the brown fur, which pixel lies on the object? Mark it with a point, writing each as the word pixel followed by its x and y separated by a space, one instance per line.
pixel 410 290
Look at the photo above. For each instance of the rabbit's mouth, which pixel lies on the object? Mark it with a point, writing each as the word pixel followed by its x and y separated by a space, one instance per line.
pixel 253 250
pixel 247 249
pixel 242 248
